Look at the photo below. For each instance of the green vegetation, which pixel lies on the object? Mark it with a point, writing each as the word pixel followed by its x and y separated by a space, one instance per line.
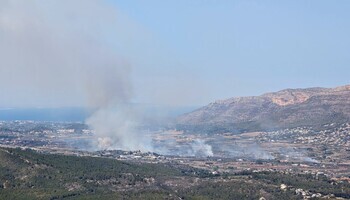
pixel 26 174
pixel 321 185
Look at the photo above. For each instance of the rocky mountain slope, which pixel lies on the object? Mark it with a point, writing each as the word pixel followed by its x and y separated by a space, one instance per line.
pixel 283 109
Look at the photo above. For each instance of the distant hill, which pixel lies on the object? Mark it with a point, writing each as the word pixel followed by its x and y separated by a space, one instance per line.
pixel 284 109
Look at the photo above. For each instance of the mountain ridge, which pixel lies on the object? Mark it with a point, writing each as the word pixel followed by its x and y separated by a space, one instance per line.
pixel 282 109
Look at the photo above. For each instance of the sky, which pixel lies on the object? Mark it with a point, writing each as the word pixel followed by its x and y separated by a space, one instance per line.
pixel 177 52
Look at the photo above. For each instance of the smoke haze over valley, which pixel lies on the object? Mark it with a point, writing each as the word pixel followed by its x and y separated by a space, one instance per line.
pixel 57 54
pixel 51 51
pixel 200 99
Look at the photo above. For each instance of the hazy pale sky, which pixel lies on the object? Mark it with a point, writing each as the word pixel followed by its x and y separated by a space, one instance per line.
pixel 179 52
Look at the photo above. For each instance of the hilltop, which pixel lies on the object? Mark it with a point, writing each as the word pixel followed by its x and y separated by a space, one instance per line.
pixel 283 109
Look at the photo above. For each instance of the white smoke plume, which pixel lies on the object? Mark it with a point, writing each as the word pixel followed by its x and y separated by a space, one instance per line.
pixel 201 149
pixel 296 154
pixel 56 49
pixel 115 128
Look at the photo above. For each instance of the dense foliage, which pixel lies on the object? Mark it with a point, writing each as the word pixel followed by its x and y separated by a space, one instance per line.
pixel 26 174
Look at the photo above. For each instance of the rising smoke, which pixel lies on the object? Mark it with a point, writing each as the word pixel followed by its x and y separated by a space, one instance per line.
pixel 201 149
pixel 55 53
pixel 55 50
